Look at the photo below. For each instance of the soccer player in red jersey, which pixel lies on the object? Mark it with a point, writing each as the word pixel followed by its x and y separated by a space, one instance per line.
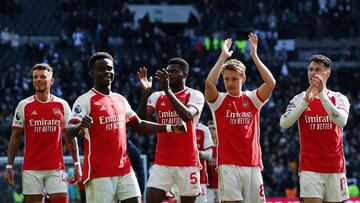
pixel 176 158
pixel 101 116
pixel 212 189
pixel 205 146
pixel 236 115
pixel 321 115
pixel 41 118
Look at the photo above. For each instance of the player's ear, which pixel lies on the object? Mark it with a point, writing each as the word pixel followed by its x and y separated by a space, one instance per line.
pixel 244 79
pixel 52 80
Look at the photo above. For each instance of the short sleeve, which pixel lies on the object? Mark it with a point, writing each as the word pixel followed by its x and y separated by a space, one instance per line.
pixel 220 98
pixel 80 108
pixel 67 114
pixel 196 100
pixel 151 102
pixel 19 116
pixel 130 114
pixel 253 95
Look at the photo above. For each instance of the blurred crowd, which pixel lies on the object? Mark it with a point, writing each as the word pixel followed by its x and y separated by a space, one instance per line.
pixel 88 26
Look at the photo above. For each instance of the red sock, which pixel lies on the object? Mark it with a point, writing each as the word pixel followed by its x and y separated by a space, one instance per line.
pixel 59 199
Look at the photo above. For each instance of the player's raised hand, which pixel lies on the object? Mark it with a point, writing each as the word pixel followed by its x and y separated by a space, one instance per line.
pixel 311 92
pixel 319 82
pixel 86 122
pixel 145 82
pixel 9 176
pixel 253 40
pixel 163 76
pixel 226 48
pixel 179 128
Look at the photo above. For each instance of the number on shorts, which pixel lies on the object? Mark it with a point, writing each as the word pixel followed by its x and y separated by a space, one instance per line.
pixel 342 183
pixel 261 193
pixel 193 178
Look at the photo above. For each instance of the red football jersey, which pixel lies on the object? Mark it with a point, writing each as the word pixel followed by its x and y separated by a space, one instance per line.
pixel 176 149
pixel 320 138
pixel 204 142
pixel 105 140
pixel 237 123
pixel 42 123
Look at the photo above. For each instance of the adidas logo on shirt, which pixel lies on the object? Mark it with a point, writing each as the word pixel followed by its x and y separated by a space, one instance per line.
pixel 33 113
pixel 102 108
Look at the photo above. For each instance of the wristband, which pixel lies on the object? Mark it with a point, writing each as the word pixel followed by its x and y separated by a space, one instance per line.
pixel 8 166
pixel 168 128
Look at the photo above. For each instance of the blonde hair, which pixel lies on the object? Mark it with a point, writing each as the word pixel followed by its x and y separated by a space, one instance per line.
pixel 233 64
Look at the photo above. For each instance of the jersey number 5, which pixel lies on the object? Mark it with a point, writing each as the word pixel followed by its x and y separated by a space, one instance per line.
pixel 193 178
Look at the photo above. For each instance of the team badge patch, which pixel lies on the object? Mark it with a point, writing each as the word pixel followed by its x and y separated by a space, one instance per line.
pixel 77 109
pixel 56 111
pixel 18 116
pixel 245 104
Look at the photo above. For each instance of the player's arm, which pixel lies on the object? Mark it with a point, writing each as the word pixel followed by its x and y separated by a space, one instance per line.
pixel 149 127
pixel 208 145
pixel 184 112
pixel 74 127
pixel 211 91
pixel 265 90
pixel 296 107
pixel 73 147
pixel 145 84
pixel 338 115
pixel 13 148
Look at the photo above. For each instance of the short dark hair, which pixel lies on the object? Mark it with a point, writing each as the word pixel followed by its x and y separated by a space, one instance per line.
pixel 210 122
pixel 97 56
pixel 42 66
pixel 184 66
pixel 318 58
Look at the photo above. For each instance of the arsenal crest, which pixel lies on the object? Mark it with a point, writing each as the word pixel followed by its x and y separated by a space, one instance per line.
pixel 56 111
pixel 245 104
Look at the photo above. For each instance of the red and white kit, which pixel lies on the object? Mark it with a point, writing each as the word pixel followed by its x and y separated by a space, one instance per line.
pixel 106 135
pixel 179 142
pixel 237 123
pixel 42 123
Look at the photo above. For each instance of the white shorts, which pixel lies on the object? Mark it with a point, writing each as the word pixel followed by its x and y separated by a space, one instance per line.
pixel 241 183
pixel 35 181
pixel 186 179
pixel 203 196
pixel 111 189
pixel 212 195
pixel 330 187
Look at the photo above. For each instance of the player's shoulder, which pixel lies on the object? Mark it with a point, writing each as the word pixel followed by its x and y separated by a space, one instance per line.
pixel 299 95
pixel 86 96
pixel 201 126
pixel 336 94
pixel 60 100
pixel 27 100
pixel 193 91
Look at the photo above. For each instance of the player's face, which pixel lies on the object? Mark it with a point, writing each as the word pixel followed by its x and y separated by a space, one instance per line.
pixel 213 132
pixel 176 75
pixel 103 72
pixel 317 69
pixel 42 80
pixel 233 81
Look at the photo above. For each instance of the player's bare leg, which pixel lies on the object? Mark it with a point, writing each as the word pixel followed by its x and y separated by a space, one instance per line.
pixel 155 195
pixel 33 198
pixel 132 200
pixel 232 201
pixel 312 200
